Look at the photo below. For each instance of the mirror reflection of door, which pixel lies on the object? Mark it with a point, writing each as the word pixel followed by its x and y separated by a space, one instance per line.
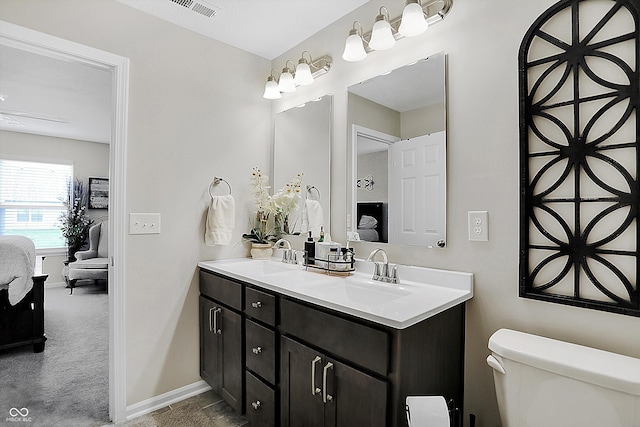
pixel 398 125
pixel 417 180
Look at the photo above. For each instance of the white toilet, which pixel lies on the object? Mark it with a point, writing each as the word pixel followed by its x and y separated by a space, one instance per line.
pixel 542 382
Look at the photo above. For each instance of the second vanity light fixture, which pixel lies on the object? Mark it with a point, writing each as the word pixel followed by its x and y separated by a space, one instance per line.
pixel 415 19
pixel 299 75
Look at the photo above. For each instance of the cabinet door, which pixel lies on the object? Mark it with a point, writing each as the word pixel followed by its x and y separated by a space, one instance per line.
pixel 301 400
pixel 221 355
pixel 353 398
pixel 231 356
pixel 209 360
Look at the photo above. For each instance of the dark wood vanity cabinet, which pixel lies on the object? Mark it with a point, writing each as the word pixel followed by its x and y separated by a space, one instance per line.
pixel 319 391
pixel 261 355
pixel 285 362
pixel 221 338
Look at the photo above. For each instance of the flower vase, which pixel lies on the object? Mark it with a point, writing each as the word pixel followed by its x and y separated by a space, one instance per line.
pixel 261 250
pixel 281 224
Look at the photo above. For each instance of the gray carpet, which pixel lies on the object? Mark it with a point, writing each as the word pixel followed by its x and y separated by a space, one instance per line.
pixel 67 384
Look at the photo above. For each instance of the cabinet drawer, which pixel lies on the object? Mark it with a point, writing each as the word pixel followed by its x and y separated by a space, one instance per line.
pixel 261 403
pixel 221 289
pixel 260 305
pixel 260 351
pixel 355 342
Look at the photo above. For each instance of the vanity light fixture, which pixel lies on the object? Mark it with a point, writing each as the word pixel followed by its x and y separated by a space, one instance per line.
pixel 413 22
pixel 305 73
pixel 354 46
pixel 286 83
pixel 381 34
pixel 271 88
pixel 416 17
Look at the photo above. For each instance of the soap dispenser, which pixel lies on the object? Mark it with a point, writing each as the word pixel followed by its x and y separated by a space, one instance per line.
pixel 310 248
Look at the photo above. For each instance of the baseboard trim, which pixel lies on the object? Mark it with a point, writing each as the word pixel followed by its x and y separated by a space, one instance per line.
pixel 162 401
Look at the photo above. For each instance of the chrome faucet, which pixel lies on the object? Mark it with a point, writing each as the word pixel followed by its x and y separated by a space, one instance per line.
pixel 381 270
pixel 288 254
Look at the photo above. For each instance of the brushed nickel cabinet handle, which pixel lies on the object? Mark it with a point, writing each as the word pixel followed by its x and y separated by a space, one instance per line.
pixel 211 319
pixel 257 350
pixel 256 404
pixel 256 304
pixel 215 321
pixel 326 397
pixel 314 390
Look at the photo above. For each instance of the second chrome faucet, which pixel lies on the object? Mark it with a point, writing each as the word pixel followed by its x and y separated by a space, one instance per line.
pixel 383 272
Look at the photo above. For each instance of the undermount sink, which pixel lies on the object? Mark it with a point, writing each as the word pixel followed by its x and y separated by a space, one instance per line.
pixel 260 267
pixel 365 293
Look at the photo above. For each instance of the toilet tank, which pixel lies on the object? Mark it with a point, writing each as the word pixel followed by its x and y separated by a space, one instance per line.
pixel 541 382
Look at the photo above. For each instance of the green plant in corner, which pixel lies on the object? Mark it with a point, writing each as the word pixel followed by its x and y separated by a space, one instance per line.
pixel 75 223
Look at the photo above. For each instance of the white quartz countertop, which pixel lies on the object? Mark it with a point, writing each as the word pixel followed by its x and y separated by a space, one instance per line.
pixel 421 293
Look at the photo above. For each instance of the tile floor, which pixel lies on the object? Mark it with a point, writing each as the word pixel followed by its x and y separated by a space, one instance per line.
pixel 206 409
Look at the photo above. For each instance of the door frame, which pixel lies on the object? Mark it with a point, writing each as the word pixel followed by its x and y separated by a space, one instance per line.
pixel 357 131
pixel 41 43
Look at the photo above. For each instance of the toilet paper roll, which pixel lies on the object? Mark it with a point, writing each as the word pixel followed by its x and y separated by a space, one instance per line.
pixel 429 411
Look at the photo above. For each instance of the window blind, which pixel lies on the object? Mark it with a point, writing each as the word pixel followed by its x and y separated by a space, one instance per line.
pixel 32 199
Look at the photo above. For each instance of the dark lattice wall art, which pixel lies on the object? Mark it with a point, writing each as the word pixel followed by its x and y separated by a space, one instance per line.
pixel 580 157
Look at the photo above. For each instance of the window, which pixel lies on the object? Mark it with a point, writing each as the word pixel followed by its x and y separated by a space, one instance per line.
pixel 32 197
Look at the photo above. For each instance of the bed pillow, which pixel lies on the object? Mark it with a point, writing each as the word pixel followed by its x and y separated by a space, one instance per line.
pixel 367 221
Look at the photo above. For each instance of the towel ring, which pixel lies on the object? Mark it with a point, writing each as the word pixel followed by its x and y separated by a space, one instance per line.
pixel 313 187
pixel 216 181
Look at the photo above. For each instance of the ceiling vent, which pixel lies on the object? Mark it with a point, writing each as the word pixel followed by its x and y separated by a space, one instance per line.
pixel 209 11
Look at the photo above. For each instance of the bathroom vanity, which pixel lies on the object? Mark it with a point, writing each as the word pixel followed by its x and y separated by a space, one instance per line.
pixel 292 347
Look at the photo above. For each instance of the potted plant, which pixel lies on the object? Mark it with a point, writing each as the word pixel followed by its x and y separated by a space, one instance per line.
pixel 269 221
pixel 75 223
pixel 261 236
pixel 284 202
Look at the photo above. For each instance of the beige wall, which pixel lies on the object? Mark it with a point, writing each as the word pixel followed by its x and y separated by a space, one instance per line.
pixel 182 131
pixel 481 40
pixel 89 159
pixel 195 110
pixel 422 121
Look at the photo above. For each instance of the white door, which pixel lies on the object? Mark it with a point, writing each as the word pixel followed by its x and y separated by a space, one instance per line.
pixel 417 190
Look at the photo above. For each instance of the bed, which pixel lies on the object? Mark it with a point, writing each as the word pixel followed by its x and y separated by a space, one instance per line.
pixel 21 295
pixel 372 221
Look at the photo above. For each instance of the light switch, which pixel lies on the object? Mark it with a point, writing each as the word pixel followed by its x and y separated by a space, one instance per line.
pixel 144 223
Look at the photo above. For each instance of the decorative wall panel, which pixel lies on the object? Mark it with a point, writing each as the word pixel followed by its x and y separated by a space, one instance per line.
pixel 580 157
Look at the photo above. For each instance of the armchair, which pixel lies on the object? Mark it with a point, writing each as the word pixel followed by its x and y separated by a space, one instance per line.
pixel 94 262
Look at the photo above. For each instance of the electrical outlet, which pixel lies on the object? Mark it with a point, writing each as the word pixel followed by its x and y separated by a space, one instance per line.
pixel 478 226
pixel 144 223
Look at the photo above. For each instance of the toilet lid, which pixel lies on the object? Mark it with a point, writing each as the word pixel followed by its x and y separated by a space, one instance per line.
pixel 423 411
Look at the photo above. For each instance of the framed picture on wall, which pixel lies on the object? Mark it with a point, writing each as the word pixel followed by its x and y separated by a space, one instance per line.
pixel 98 193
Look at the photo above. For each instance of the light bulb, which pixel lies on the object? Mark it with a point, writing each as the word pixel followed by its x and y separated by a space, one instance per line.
pixel 271 89
pixel 303 73
pixel 381 35
pixel 354 47
pixel 286 83
pixel 413 22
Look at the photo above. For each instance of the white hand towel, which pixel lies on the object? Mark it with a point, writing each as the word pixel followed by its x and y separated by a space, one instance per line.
pixel 313 217
pixel 220 220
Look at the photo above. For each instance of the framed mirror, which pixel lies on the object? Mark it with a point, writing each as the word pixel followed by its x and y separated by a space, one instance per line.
pixel 302 144
pixel 397 124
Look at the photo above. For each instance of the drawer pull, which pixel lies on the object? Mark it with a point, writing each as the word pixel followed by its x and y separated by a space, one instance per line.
pixel 215 321
pixel 326 397
pixel 314 390
pixel 257 350
pixel 256 304
pixel 256 404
